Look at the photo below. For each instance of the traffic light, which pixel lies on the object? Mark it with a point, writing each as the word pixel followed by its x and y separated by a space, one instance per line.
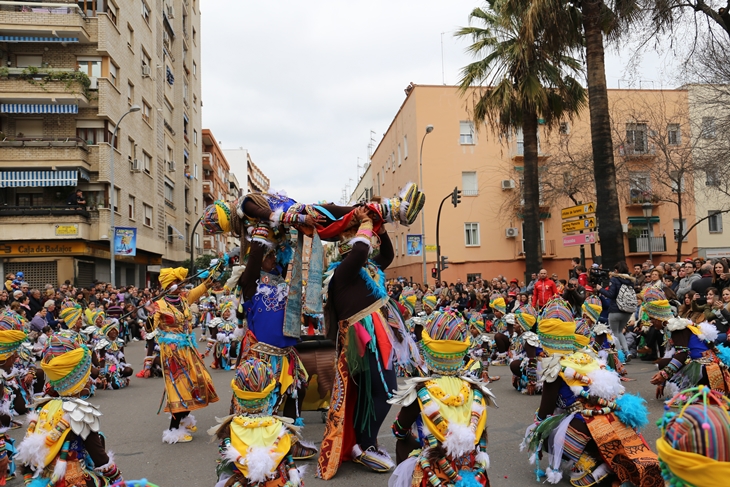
pixel 444 262
pixel 456 197
pixel 434 272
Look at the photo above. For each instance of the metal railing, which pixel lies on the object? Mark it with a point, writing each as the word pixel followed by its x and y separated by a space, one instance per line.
pixel 641 244
pixel 44 142
pixel 43 210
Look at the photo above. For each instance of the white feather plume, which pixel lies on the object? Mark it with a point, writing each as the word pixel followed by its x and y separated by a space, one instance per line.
pixel 173 435
pixel 459 440
pixel 553 476
pixel 483 459
pixel 605 384
pixel 260 464
pixel 32 451
pixel 231 454
pixel 188 421
pixel 708 332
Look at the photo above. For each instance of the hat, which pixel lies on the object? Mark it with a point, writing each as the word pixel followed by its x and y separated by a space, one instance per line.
pixel 513 280
pixel 556 328
pixel 526 316
pixel 58 344
pixel 429 302
pixel 10 321
pixel 444 342
pixel 217 218
pixel 408 299
pixel 49 303
pixel 10 341
pixel 476 320
pixel 169 275
pixel 69 372
pixel 656 304
pixel 592 308
pixel 498 305
pixel 253 387
pixel 692 447
pixel 109 325
pixel 70 313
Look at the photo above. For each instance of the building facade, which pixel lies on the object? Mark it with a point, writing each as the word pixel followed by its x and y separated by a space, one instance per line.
pixel 70 70
pixel 216 186
pixel 241 163
pixel 482 236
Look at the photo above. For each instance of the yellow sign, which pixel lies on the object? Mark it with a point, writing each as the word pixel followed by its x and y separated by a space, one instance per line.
pixel 578 210
pixel 41 248
pixel 578 225
pixel 67 230
pixel 430 248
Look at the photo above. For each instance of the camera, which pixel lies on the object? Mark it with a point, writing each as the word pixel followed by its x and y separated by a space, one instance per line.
pixel 598 276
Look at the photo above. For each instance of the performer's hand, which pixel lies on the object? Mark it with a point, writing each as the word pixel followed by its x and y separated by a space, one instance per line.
pixel 531 389
pixel 312 221
pixel 658 379
pixel 660 391
pixel 361 214
pixel 4 463
pixel 28 379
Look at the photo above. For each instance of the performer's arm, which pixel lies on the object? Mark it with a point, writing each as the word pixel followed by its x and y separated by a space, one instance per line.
pixel 385 257
pixel 401 428
pixel 253 270
pixel 549 399
pixel 199 291
pixel 358 256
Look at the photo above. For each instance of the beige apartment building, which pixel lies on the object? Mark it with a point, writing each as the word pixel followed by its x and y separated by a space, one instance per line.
pixel 216 186
pixel 241 163
pixel 482 236
pixel 68 71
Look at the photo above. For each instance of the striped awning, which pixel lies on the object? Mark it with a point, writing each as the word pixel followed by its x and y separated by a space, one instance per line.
pixel 37 39
pixel 37 108
pixel 38 179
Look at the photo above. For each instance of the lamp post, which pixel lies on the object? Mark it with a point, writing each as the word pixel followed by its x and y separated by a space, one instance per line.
pixel 133 108
pixel 647 208
pixel 429 129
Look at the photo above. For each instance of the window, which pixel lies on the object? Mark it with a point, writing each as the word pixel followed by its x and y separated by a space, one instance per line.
pixel 185 91
pixel 111 11
pixel 392 160
pixel 471 234
pixel 195 175
pixel 145 11
pixel 473 277
pixel 130 93
pixel 147 163
pixel 146 112
pixel 147 215
pixel 113 70
pixel 146 62
pixel 564 128
pixel 27 61
pixel 677 182
pixel 542 237
pixel 469 185
pixel 378 179
pixel 396 246
pixel 636 142
pixel 400 160
pixel 116 196
pixel 29 127
pixel 639 187
pixel 131 207
pixel 540 190
pixel 130 37
pixel 195 33
pixel 405 147
pixel 195 69
pixel 708 128
pixel 403 241
pixel 466 133
pixel 169 76
pixel 95 132
pixel 715 221
pixel 186 124
pixel 195 205
pixel 673 134
pixel 169 192
pixel 195 137
pixel 170 154
pixel 29 199
pixel 91 66
pixel 711 178
pixel 676 229
pixel 520 140
pixel 197 240
pixel 132 149
pixel 187 198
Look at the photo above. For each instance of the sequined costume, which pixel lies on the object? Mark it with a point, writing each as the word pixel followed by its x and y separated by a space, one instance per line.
pixel 115 371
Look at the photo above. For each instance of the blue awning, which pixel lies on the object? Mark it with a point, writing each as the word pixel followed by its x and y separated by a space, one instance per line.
pixel 38 179
pixel 37 108
pixel 37 39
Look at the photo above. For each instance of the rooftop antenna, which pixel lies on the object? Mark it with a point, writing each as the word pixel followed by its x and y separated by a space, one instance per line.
pixel 443 76
pixel 371 145
pixel 359 166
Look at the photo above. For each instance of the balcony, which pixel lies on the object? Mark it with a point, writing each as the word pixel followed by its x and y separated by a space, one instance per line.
pixel 548 248
pixel 60 21
pixel 208 189
pixel 43 222
pixel 638 197
pixel 640 245
pixel 44 86
pixel 208 161
pixel 44 152
pixel 517 152
pixel 638 151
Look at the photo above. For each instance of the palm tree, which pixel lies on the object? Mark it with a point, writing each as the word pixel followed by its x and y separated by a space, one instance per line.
pixel 522 83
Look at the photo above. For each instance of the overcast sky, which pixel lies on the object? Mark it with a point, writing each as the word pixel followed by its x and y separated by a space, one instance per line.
pixel 302 84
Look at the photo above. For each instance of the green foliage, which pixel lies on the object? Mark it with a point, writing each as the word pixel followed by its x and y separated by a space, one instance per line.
pixel 36 77
pixel 4 72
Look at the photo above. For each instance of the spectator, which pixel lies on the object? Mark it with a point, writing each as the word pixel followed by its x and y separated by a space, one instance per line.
pixel 686 310
pixel 575 295
pixel 76 199
pixel 4 299
pixel 582 275
pixel 573 272
pixel 46 333
pixel 685 284
pixel 39 320
pixel 34 302
pixel 720 275
pixel 701 285
pixel 51 320
pixel 617 318
pixel 655 279
pixel 698 263
pixel 531 286
pixel 543 290
pixel 513 287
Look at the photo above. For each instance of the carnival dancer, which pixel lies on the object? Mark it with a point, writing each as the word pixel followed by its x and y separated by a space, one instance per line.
pixel 503 340
pixel 499 308
pixel 64 444
pixel 115 371
pixel 585 418
pixel 692 446
pixel 10 341
pixel 223 342
pixel 429 303
pixel 695 359
pixel 152 366
pixel 207 310
pixel 365 375
pixel 604 346
pixel 526 366
pixel 264 292
pixel 480 348
pixel 255 445
pixel 591 311
pixel 441 429
pixel 188 385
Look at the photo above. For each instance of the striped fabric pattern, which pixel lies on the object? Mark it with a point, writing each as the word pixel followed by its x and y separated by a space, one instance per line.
pixel 37 179
pixel 37 108
pixel 37 39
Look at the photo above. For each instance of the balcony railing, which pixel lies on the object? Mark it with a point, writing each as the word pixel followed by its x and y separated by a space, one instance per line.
pixel 640 245
pixel 62 17
pixel 43 210
pixel 44 142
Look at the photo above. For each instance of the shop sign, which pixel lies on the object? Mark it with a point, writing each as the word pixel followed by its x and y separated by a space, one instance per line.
pixel 67 230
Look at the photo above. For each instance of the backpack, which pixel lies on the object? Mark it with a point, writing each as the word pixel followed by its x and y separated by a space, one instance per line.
pixel 626 299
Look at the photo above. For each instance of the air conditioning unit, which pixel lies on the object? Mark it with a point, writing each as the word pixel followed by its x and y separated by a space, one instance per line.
pixel 171 166
pixel 146 71
pixel 511 232
pixel 171 11
pixel 136 165
pixel 508 184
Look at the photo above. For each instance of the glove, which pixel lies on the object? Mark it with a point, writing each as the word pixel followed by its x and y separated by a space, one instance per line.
pixel 204 275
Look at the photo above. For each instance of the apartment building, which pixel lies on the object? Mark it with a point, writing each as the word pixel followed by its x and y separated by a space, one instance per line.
pixel 482 236
pixel 216 186
pixel 69 70
pixel 241 163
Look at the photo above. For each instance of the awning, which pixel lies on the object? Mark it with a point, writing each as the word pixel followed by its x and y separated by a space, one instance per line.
pixel 39 179
pixel 640 220
pixel 37 39
pixel 38 108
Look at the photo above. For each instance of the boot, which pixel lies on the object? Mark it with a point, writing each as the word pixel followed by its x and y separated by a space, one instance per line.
pixel 146 369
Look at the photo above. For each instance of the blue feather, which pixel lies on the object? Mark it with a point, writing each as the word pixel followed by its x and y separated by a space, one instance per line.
pixel 468 479
pixel 622 356
pixel 39 482
pixel 377 288
pixel 299 422
pixel 724 354
pixel 285 253
pixel 632 411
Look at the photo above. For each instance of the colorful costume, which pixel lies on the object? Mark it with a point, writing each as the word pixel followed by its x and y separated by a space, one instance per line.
pixel 10 341
pixel 443 413
pixel 115 371
pixel 604 346
pixel 584 416
pixel 188 385
pixel 63 444
pixel 255 446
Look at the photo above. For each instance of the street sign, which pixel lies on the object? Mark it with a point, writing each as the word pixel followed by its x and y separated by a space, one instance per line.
pixel 578 210
pixel 578 225
pixel 582 239
pixel 430 248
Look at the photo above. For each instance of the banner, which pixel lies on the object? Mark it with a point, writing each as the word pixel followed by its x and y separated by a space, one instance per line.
pixel 125 241
pixel 415 245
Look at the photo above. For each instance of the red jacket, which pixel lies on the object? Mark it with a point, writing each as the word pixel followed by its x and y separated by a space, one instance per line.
pixel 543 291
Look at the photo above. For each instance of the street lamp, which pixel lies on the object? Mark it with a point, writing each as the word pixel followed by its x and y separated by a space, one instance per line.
pixel 647 208
pixel 133 108
pixel 429 129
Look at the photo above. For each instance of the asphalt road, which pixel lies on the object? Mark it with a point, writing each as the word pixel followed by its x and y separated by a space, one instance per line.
pixel 134 432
